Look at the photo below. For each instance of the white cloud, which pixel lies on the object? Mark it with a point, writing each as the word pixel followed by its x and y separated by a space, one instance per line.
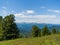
pixel 20 17
pixel 19 14
pixel 27 12
pixel 30 11
pixel 56 11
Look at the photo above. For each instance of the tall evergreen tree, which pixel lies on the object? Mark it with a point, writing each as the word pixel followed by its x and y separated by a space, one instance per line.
pixel 45 31
pixel 10 28
pixel 36 31
pixel 54 31
pixel 1 27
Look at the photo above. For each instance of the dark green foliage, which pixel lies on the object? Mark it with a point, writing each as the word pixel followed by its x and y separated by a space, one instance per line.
pixel 8 28
pixel 1 27
pixel 45 31
pixel 54 31
pixel 36 31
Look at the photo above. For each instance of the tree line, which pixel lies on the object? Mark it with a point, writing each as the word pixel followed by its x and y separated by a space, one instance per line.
pixel 37 32
pixel 9 29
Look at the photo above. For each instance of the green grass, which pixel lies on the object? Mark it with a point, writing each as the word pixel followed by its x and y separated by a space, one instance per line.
pixel 45 40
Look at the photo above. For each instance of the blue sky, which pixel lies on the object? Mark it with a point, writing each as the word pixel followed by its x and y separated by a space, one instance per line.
pixel 32 11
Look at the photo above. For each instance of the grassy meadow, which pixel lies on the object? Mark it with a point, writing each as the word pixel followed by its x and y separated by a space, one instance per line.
pixel 45 40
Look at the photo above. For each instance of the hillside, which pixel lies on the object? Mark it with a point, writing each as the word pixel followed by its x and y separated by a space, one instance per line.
pixel 45 40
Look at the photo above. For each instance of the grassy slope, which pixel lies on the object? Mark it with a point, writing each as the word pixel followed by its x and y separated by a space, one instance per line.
pixel 47 40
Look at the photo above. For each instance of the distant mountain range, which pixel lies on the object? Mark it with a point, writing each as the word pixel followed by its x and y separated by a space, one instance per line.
pixel 25 28
pixel 28 26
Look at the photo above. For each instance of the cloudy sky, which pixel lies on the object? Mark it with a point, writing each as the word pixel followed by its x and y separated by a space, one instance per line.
pixel 32 11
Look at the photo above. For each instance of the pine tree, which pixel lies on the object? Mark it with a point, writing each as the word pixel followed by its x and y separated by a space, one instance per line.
pixel 36 31
pixel 1 27
pixel 45 31
pixel 10 28
pixel 54 31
